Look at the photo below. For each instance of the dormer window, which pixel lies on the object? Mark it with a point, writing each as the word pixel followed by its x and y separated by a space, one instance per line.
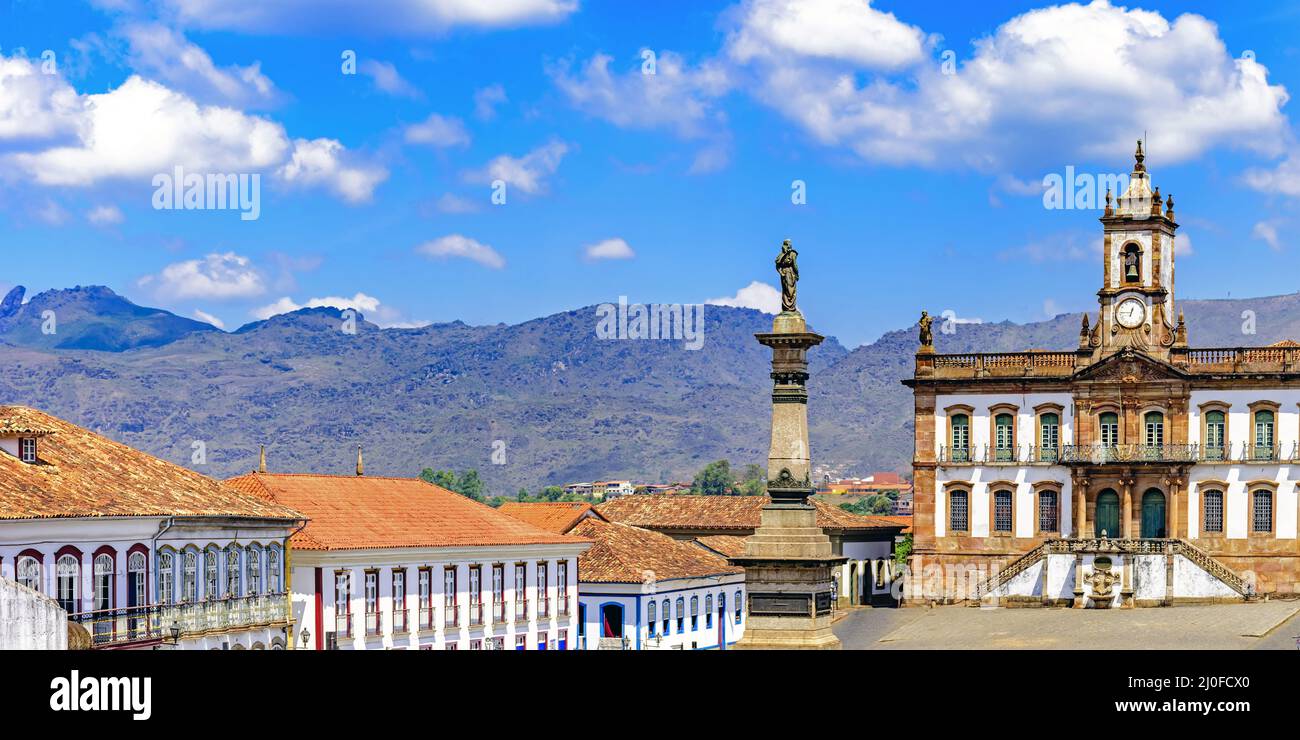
pixel 27 449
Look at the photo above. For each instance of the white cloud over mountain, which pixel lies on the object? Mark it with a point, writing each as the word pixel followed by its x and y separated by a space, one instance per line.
pixel 457 246
pixel 219 276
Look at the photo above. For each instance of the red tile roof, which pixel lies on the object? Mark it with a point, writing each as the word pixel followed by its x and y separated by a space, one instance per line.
pixel 553 516
pixel 370 512
pixel 726 545
pixel 624 554
pixel 720 513
pixel 81 474
pixel 905 521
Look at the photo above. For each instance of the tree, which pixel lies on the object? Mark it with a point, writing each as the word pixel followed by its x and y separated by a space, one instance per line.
pixel 902 550
pixel 752 482
pixel 470 485
pixel 443 478
pixel 715 479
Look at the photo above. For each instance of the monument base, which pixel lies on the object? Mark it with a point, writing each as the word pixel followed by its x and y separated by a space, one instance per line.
pixel 788 566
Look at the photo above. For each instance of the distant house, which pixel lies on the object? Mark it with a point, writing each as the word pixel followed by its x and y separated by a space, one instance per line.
pixel 609 489
pixel 400 563
pixel 580 489
pixel 866 541
pixel 642 590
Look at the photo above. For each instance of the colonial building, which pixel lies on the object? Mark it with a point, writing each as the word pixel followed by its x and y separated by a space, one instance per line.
pixel 867 577
pixel 399 563
pixel 138 551
pixel 1161 471
pixel 642 590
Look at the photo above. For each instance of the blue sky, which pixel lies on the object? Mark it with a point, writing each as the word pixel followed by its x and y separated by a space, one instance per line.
pixel 921 130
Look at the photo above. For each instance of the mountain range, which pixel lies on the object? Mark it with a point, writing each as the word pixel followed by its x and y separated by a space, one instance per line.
pixel 537 403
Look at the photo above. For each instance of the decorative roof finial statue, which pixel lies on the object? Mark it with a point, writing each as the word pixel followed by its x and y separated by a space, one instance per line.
pixel 788 269
pixel 927 336
pixel 360 466
pixel 1084 331
pixel 1109 210
pixel 1169 207
pixel 1139 156
pixel 261 462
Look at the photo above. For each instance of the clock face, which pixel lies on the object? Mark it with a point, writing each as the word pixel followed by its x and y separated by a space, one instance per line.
pixel 1130 313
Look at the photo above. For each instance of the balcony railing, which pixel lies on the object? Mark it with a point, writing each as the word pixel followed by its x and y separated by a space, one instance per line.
pixel 426 617
pixel 521 610
pixel 401 620
pixel 451 615
pixel 1127 453
pixel 343 624
pixel 114 627
pixel 498 611
pixel 475 614
pixel 372 623
pixel 543 607
pixel 1018 455
pixel 1247 453
pixel 562 606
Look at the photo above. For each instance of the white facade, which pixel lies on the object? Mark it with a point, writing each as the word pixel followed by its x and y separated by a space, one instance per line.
pixel 30 620
pixel 533 605
pixel 109 575
pixel 704 613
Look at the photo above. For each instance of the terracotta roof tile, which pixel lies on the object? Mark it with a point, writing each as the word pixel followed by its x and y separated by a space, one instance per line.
pixel 625 554
pixel 726 545
pixel 718 512
pixel 904 521
pixel 81 474
pixel 553 516
pixel 370 512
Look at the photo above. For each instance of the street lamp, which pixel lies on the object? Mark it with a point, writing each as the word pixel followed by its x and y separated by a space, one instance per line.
pixel 305 639
pixel 175 632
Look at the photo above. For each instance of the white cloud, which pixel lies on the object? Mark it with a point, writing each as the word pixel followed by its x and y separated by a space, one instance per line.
pixel 140 128
pixel 452 203
pixel 208 318
pixel 486 101
pixel 396 17
pixel 609 249
pixel 527 173
pixel 326 162
pixel 105 215
pixel 50 212
pixel 166 55
pixel 1068 81
pixel 368 306
pixel 216 276
pixel 438 131
pixel 457 246
pixel 1283 179
pixel 1266 232
pixel 388 80
pixel 756 295
pixel 1183 245
pixel 676 97
pixel 846 30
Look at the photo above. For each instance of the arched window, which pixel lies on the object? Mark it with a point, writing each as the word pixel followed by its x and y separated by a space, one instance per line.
pixel 253 580
pixel 1002 512
pixel 67 571
pixel 650 617
pixel 166 577
pixel 1212 506
pixel 1109 426
pixel 232 571
pixel 1004 434
pixel 189 576
pixel 1049 512
pixel 103 582
pixel 274 585
pixel 1263 449
pixel 695 613
pixel 212 573
pixel 681 615
pixel 958 511
pixel 665 615
pixel 29 572
pixel 1215 428
pixel 1155 430
pixel 1261 509
pixel 137 582
pixel 1131 268
pixel 708 611
pixel 961 438
pixel 740 606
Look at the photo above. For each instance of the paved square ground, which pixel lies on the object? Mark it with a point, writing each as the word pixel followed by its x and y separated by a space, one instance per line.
pixel 1268 625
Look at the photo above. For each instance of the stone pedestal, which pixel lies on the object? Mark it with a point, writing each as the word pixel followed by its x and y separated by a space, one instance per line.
pixel 789 561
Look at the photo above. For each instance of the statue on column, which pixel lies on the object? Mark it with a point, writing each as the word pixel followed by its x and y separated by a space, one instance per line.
pixel 927 335
pixel 787 268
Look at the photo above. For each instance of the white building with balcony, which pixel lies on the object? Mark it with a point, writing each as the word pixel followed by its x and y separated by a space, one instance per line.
pixel 142 553
pixel 399 563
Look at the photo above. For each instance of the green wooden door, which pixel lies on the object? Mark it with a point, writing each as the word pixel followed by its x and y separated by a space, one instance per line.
pixel 1107 518
pixel 1153 514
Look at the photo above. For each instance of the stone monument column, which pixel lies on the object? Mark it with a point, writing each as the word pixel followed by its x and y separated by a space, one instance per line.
pixel 789 561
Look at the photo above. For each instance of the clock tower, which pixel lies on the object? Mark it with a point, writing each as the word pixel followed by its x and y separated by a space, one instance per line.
pixel 1137 292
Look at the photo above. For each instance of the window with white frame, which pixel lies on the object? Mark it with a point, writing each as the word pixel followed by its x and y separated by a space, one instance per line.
pixel 372 602
pixel 27 449
pixel 189 576
pixel 650 617
pixel 681 615
pixel 343 602
pixel 708 611
pixel 136 582
pixel 212 574
pixel 253 563
pixel 399 599
pixel 666 615
pixel 740 606
pixel 103 582
pixel 425 586
pixel 67 571
pixel 695 613
pixel 29 572
pixel 166 577
pixel 232 571
pixel 273 582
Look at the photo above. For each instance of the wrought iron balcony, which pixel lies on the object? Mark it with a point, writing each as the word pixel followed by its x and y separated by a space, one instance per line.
pixel 543 607
pixel 1128 453
pixel 139 624
pixel 562 606
pixel 343 624
pixel 521 610
pixel 426 617
pixel 475 614
pixel 451 615
pixel 401 620
pixel 498 611
pixel 1018 455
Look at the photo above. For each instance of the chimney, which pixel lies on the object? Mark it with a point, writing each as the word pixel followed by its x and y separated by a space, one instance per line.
pixel 360 465
pixel 261 462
